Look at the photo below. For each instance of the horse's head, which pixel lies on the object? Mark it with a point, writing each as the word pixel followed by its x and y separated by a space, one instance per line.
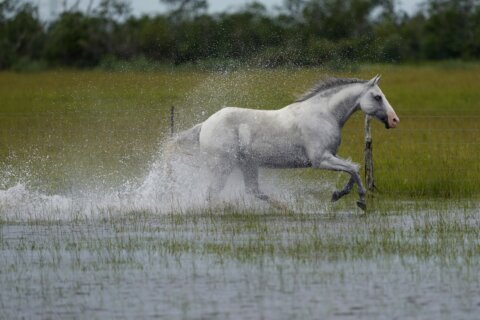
pixel 374 103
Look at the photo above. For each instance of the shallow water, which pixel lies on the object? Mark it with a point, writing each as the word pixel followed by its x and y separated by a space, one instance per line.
pixel 203 288
pixel 241 265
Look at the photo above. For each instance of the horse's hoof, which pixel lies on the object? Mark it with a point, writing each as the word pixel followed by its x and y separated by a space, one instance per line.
pixel 272 202
pixel 262 197
pixel 336 196
pixel 362 205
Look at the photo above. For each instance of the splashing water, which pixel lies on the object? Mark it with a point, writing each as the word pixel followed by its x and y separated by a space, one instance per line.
pixel 157 192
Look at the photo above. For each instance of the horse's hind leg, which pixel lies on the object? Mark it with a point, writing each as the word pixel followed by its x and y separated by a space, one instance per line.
pixel 250 177
pixel 220 172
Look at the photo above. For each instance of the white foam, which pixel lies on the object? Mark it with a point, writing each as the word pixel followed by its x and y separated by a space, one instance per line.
pixel 19 203
pixel 183 189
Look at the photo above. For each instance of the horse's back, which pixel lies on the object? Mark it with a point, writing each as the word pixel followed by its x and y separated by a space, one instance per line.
pixel 267 138
pixel 227 128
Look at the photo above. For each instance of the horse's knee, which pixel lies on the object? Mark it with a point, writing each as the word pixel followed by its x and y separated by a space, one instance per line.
pixel 356 167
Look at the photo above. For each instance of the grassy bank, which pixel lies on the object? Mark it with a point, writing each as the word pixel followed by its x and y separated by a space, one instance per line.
pixel 98 127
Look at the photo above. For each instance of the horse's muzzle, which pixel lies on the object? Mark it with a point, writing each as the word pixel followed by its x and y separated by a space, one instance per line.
pixel 392 121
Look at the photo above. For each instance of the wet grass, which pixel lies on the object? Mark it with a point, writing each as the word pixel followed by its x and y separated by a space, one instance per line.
pixel 447 232
pixel 125 266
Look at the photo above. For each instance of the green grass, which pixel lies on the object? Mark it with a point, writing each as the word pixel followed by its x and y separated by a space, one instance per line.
pixel 93 126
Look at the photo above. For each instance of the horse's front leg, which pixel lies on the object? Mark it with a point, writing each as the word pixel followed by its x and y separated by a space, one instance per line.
pixel 337 195
pixel 331 162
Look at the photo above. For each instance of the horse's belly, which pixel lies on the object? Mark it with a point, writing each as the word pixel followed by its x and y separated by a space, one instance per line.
pixel 292 157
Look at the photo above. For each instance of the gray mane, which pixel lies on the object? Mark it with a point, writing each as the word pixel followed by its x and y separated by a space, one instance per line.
pixel 326 84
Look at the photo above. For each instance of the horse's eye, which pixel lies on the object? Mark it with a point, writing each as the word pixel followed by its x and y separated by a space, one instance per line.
pixel 378 98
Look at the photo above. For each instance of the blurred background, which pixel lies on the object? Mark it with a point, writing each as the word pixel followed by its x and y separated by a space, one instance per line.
pixel 39 34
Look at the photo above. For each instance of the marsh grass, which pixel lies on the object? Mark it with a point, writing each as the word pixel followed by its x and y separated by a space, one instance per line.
pixel 69 267
pixel 446 232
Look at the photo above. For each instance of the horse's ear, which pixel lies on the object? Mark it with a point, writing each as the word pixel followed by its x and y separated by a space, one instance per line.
pixel 374 81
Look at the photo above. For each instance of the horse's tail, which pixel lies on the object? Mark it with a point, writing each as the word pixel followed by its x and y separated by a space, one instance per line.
pixel 188 139
pixel 184 143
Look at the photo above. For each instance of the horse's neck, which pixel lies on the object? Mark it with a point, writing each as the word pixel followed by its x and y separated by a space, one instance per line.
pixel 344 103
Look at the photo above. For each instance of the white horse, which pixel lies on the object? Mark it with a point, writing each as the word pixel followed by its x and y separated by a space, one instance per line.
pixel 306 133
